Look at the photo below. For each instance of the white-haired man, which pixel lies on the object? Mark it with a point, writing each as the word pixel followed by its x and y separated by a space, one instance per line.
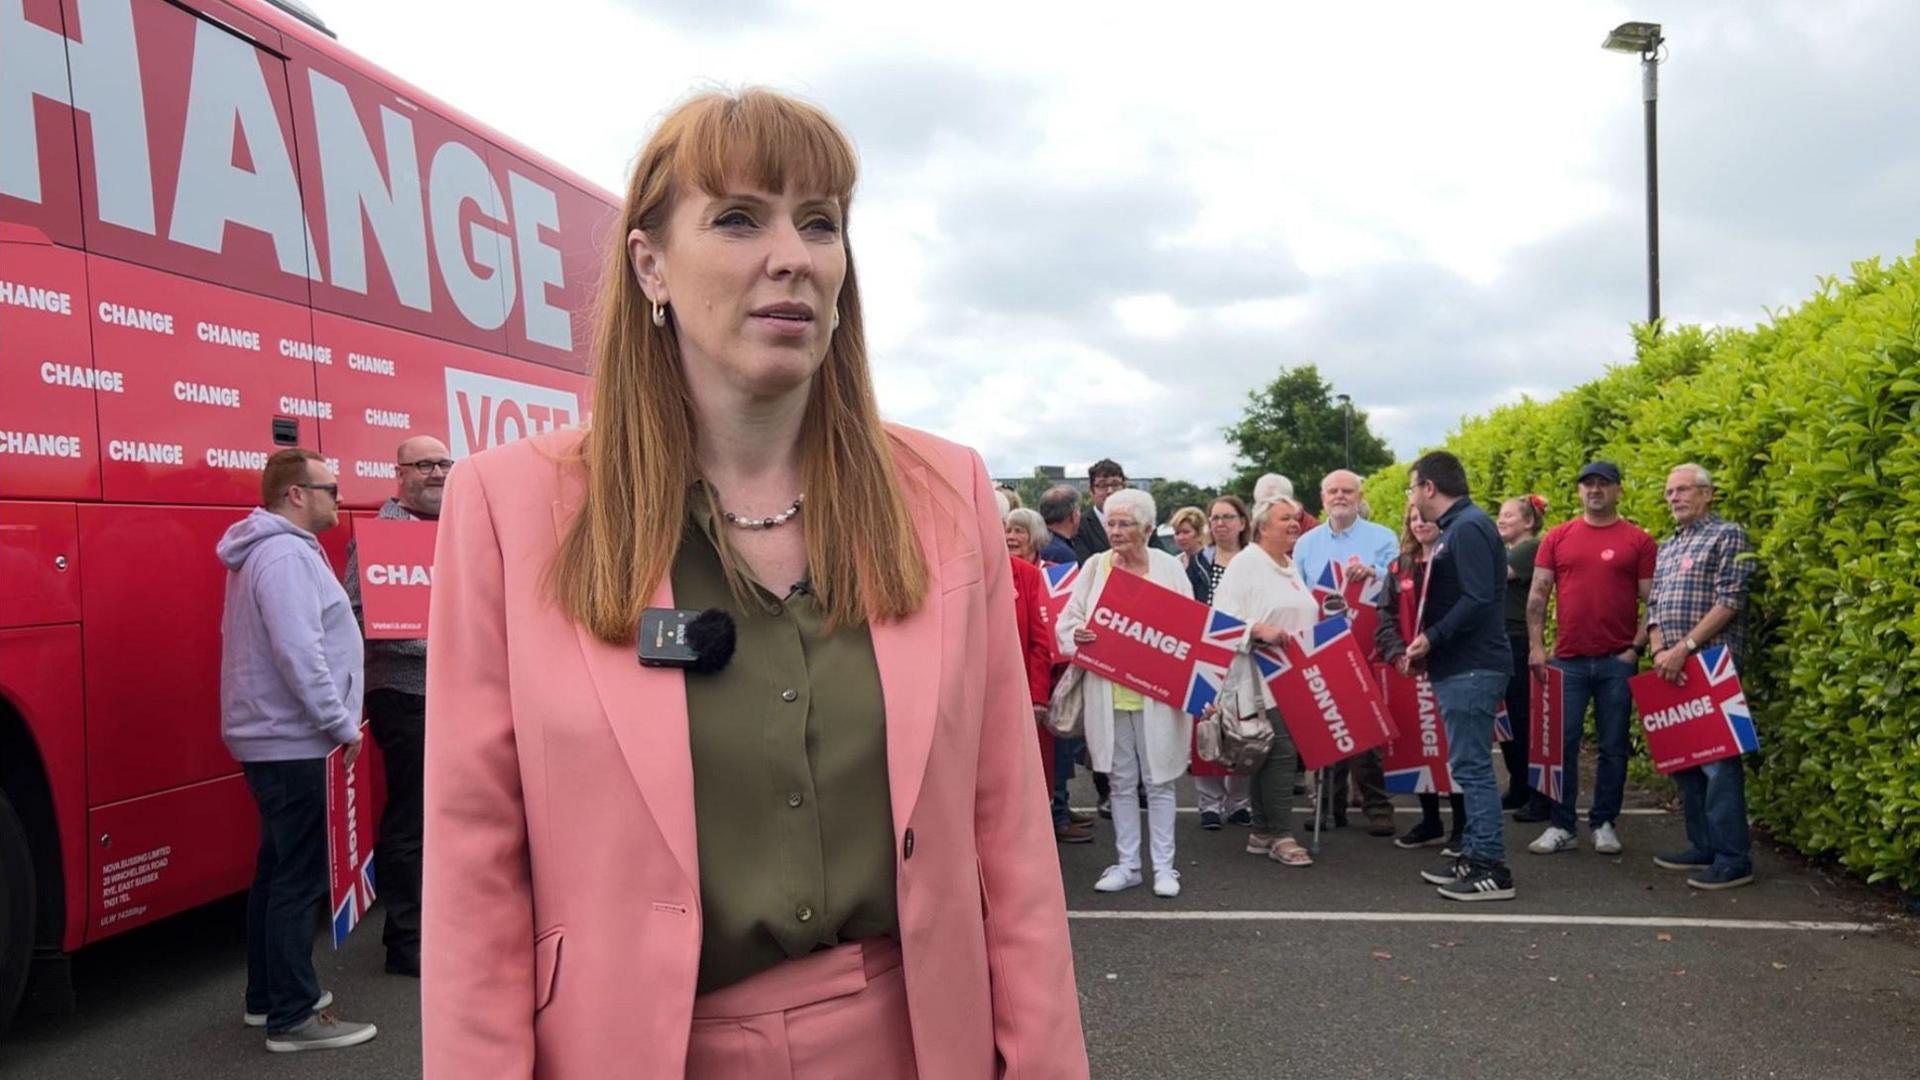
pixel 1348 539
pixel 1699 590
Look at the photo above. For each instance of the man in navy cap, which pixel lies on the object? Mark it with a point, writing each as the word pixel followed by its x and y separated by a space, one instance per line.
pixel 1601 566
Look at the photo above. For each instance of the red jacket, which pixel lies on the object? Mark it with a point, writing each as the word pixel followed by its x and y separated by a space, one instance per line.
pixel 1036 641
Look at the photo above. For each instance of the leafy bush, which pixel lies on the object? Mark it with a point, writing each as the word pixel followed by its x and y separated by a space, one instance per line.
pixel 1810 424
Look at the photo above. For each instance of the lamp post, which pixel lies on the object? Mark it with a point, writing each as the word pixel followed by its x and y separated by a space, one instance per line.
pixel 1346 402
pixel 1645 40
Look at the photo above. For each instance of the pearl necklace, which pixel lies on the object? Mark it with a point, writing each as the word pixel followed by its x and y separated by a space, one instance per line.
pixel 773 522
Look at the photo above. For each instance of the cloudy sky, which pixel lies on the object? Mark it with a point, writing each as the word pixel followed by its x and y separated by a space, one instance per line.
pixel 1088 230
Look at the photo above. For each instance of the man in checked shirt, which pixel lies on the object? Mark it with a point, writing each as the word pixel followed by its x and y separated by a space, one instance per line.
pixel 1699 588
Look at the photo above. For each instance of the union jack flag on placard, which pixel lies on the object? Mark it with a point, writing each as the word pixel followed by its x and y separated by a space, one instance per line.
pixel 347 915
pixel 1502 724
pixel 1225 631
pixel 1359 595
pixel 1718 660
pixel 1059 579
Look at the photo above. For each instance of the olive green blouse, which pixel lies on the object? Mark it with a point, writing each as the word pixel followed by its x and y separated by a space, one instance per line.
pixel 790 786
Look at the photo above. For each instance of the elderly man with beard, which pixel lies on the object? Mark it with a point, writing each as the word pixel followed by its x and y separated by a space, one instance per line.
pixel 396 683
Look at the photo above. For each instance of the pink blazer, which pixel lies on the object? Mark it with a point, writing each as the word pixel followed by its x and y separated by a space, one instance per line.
pixel 562 895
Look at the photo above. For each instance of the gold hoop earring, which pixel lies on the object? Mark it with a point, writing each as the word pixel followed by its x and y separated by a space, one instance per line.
pixel 659 314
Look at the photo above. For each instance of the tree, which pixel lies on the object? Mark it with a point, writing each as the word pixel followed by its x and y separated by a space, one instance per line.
pixel 1171 495
pixel 1293 427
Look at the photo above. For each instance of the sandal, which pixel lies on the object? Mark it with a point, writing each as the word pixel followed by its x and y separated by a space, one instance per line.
pixel 1288 852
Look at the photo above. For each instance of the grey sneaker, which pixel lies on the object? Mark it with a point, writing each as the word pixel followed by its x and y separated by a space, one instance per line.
pixel 254 1019
pixel 321 1032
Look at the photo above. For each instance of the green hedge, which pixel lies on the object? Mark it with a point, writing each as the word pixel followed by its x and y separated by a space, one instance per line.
pixel 1810 424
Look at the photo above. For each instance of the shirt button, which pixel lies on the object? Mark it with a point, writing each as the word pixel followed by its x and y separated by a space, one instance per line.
pixel 776 609
pixel 794 799
pixel 803 913
pixel 789 695
pixel 907 844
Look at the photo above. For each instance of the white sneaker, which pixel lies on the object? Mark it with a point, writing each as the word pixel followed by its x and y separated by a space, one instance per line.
pixel 1554 839
pixel 1166 883
pixel 1605 840
pixel 1116 878
pixel 254 1019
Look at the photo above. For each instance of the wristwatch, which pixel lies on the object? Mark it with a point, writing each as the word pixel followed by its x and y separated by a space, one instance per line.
pixel 1692 646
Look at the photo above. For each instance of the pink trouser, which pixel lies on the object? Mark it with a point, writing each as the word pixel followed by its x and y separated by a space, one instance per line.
pixel 841 1012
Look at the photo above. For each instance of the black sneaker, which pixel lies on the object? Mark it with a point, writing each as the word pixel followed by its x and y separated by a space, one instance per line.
pixel 1481 881
pixel 1536 810
pixel 1242 818
pixel 1209 820
pixel 1446 871
pixel 1515 798
pixel 1424 834
pixel 1454 848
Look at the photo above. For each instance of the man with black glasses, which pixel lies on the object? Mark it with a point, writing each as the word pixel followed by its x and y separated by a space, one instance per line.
pixel 397 709
pixel 290 683
pixel 1463 644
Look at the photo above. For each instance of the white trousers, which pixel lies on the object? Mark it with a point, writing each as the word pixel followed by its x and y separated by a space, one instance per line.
pixel 1223 795
pixel 1129 764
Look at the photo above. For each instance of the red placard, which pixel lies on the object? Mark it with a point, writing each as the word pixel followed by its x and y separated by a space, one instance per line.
pixel 1326 694
pixel 1169 647
pixel 1546 724
pixel 351 827
pixel 396 576
pixel 1416 760
pixel 1703 718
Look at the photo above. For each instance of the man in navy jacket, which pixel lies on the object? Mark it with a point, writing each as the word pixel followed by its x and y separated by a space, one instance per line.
pixel 1464 646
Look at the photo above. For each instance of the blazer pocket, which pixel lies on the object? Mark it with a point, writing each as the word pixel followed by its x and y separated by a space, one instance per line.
pixel 960 571
pixel 546 965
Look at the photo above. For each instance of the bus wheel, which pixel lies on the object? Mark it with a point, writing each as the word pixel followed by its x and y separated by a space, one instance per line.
pixel 17 892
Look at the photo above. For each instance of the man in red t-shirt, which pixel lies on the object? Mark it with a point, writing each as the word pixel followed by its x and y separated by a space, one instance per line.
pixel 1601 565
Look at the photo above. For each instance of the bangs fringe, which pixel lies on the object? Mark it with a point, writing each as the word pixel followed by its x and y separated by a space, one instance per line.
pixel 762 138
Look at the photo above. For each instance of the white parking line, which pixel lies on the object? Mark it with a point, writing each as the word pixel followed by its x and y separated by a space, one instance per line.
pixel 1491 918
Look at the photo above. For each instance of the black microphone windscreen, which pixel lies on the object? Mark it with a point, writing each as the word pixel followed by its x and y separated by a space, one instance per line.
pixel 711 637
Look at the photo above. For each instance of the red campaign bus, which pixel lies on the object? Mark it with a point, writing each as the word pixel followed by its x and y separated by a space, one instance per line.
pixel 220 233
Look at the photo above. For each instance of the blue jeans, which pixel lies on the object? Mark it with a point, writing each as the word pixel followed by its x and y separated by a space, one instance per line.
pixel 1715 798
pixel 289 886
pixel 1467 704
pixel 1064 751
pixel 1601 680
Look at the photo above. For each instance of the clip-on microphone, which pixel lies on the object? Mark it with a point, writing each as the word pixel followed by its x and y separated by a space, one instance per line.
pixel 697 641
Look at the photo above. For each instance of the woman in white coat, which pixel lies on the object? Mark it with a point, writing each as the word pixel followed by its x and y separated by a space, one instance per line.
pixel 1129 735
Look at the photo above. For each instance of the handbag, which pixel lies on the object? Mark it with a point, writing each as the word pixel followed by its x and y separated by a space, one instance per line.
pixel 1239 743
pixel 1066 710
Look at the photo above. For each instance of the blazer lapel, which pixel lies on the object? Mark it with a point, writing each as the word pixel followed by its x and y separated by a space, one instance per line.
pixel 908 653
pixel 647 709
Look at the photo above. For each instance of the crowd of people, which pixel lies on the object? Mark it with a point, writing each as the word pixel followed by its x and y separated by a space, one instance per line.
pixel 1463 604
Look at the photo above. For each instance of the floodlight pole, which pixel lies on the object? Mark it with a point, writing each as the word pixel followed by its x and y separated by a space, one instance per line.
pixel 1346 400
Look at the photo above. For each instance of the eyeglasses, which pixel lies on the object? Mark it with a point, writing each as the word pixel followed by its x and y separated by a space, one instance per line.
pixel 331 489
pixel 1109 485
pixel 1222 519
pixel 427 465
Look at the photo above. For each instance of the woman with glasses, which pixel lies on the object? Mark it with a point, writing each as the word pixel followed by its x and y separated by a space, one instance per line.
pixel 1134 738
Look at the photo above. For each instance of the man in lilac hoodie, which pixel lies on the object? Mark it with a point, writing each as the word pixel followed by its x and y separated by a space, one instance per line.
pixel 290 687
